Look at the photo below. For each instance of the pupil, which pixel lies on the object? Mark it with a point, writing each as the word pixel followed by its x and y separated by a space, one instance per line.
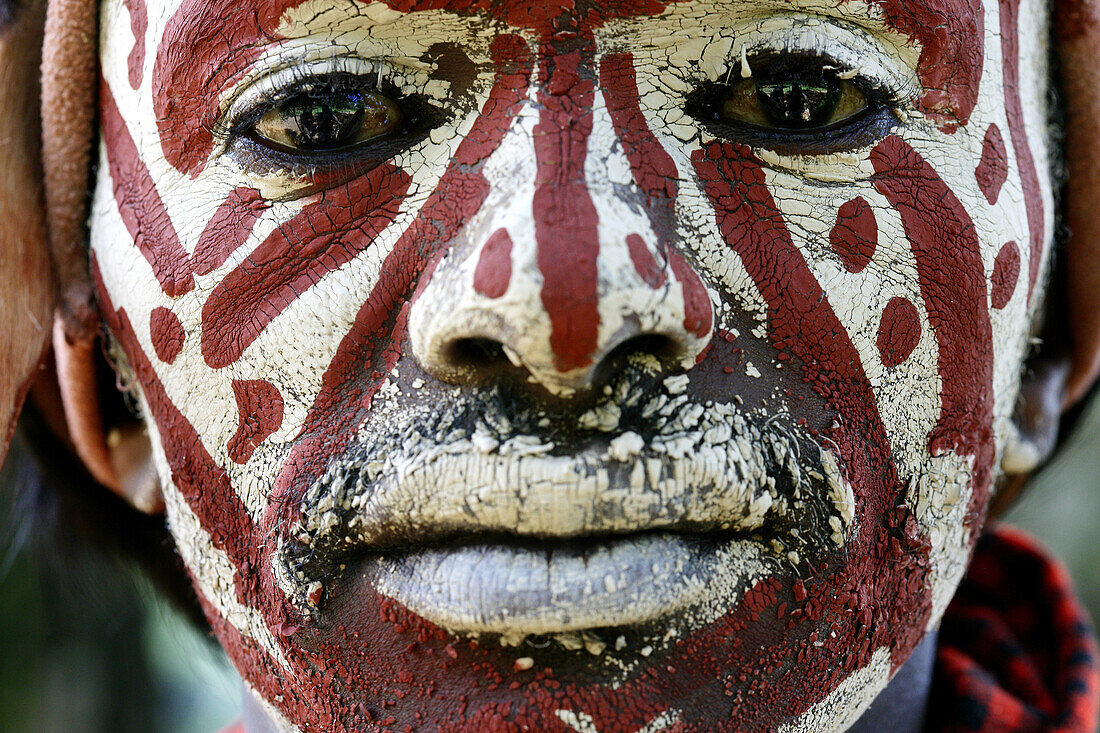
pixel 326 123
pixel 795 103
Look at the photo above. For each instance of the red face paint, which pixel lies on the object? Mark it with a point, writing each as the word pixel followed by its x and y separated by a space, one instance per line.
pixel 640 286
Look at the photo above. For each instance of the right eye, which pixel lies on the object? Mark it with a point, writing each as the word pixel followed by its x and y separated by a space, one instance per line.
pixel 329 115
pixel 796 104
pixel 793 100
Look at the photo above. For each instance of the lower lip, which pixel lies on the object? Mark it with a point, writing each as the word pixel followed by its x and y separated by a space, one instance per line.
pixel 517 590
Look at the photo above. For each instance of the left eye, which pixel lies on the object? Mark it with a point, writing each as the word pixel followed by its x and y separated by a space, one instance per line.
pixel 327 116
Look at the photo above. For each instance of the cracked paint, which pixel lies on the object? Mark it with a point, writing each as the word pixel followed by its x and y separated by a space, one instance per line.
pixel 574 401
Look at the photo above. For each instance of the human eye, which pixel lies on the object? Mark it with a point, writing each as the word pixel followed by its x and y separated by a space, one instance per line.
pixel 325 115
pixel 324 124
pixel 796 105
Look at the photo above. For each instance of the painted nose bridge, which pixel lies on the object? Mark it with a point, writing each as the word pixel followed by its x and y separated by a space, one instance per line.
pixel 561 267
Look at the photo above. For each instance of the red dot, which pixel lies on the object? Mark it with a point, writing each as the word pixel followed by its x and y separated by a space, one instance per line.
pixel 260 413
pixel 992 170
pixel 494 266
pixel 1006 271
pixel 166 333
pixel 644 261
pixel 898 331
pixel 855 234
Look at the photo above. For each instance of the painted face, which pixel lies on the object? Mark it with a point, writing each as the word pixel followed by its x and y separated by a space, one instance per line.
pixel 603 366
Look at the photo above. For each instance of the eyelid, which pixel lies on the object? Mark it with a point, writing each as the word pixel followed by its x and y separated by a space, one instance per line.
pixel 283 83
pixel 854 51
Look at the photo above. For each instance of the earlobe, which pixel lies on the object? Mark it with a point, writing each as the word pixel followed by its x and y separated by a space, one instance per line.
pixel 118 456
pixel 1033 432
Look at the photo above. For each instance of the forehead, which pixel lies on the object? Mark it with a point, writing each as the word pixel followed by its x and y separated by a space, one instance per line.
pixel 950 29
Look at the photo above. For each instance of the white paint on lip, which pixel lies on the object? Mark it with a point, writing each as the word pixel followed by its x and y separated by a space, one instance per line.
pixel 710 469
pixel 505 589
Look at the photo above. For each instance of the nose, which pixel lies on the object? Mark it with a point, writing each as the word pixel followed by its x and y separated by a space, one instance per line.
pixel 558 274
pixel 561 268
pixel 561 319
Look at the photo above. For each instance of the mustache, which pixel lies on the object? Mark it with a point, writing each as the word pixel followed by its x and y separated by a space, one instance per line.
pixel 643 456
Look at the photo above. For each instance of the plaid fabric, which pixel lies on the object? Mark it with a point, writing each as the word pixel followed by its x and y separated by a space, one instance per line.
pixel 1017 653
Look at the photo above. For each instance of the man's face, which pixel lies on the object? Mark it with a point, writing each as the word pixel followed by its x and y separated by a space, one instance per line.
pixel 573 366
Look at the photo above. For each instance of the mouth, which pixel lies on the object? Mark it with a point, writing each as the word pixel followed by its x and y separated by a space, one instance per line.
pixel 481 523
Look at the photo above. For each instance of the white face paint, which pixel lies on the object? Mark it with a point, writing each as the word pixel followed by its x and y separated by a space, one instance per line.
pixel 674 342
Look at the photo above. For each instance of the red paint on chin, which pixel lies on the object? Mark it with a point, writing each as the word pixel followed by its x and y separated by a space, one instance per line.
pixel 953 287
pixel 992 170
pixel 167 334
pixel 855 235
pixel 898 332
pixel 260 406
pixel 494 265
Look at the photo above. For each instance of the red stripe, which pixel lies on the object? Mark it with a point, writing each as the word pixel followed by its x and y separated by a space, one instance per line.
pixel 228 229
pixel 1029 177
pixel 953 287
pixel 654 170
pixel 140 205
pixel 325 235
pixel 565 216
pixel 139 23
pixel 951 34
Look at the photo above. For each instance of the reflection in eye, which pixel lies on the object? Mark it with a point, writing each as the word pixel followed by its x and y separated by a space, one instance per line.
pixel 325 116
pixel 797 105
pixel 793 99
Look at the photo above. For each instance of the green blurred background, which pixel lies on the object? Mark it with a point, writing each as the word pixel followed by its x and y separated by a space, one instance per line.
pixel 87 646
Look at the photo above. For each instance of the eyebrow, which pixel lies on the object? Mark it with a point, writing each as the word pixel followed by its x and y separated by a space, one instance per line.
pixel 193 65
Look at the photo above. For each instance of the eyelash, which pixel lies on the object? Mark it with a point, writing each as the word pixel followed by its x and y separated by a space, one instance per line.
pixel 421 116
pixel 237 139
pixel 863 129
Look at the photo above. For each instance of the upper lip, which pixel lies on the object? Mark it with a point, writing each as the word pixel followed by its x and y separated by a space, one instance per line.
pixel 725 472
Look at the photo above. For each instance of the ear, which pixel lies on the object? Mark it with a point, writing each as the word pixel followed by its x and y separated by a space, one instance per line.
pixel 1078 35
pixel 116 452
pixel 1066 366
pixel 27 293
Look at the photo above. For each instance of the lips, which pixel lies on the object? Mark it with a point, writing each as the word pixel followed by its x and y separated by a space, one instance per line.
pixel 484 521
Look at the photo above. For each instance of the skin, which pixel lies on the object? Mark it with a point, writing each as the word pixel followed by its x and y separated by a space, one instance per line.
pixel 569 403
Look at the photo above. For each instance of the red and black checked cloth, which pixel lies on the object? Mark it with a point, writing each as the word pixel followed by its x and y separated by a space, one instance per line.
pixel 1017 653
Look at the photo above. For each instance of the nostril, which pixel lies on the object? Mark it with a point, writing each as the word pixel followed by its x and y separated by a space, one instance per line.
pixel 475 353
pixel 665 348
